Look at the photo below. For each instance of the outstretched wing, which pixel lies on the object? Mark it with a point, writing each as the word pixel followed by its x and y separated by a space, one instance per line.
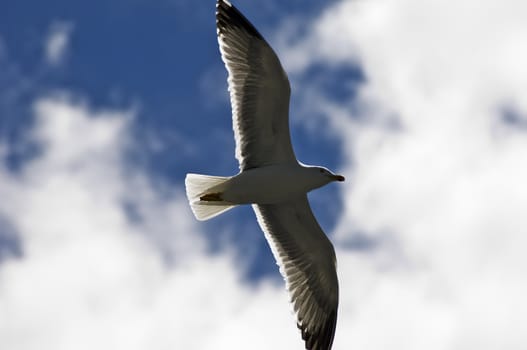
pixel 259 91
pixel 307 262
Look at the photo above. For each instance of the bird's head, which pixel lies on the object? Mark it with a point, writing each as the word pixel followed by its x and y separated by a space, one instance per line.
pixel 326 175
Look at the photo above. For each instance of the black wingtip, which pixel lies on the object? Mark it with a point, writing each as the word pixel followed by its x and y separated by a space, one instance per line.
pixel 228 16
pixel 321 339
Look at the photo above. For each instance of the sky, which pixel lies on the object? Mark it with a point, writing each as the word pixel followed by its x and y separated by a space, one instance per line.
pixel 106 105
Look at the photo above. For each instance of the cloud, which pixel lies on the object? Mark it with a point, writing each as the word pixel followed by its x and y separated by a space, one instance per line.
pixel 111 257
pixel 57 41
pixel 437 169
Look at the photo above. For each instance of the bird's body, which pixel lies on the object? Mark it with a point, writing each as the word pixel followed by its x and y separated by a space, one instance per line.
pixel 273 184
pixel 271 179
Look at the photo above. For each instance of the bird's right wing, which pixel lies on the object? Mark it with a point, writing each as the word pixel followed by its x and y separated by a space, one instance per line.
pixel 259 91
pixel 307 262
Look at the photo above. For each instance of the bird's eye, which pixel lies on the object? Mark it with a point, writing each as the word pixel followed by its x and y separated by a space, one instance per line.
pixel 321 170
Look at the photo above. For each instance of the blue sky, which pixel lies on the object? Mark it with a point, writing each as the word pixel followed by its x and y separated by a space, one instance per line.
pixel 159 56
pixel 163 59
pixel 105 106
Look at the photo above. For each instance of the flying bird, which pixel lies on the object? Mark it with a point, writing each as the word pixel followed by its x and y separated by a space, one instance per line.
pixel 271 179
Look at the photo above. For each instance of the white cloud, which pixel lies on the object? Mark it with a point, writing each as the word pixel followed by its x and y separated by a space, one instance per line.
pixel 444 191
pixel 57 41
pixel 91 277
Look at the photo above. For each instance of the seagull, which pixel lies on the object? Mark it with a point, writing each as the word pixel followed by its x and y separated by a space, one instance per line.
pixel 271 179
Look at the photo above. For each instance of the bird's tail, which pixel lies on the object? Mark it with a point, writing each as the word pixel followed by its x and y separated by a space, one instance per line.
pixel 204 195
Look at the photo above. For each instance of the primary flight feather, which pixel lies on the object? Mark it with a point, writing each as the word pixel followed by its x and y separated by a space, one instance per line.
pixel 271 178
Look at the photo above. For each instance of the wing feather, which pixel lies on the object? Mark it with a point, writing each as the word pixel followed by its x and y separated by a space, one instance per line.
pixel 259 91
pixel 307 262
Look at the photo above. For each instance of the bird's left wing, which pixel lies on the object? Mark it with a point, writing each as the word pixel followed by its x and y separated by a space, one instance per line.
pixel 259 91
pixel 307 262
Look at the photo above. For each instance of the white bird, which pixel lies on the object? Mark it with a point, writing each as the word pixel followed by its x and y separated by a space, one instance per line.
pixel 271 178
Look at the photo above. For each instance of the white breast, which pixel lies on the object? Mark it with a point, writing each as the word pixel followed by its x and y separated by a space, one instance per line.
pixel 270 184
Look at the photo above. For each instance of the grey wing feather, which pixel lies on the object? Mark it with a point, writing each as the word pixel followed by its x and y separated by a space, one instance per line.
pixel 259 91
pixel 307 262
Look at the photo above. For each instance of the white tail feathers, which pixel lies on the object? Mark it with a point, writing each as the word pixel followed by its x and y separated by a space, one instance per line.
pixel 197 186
